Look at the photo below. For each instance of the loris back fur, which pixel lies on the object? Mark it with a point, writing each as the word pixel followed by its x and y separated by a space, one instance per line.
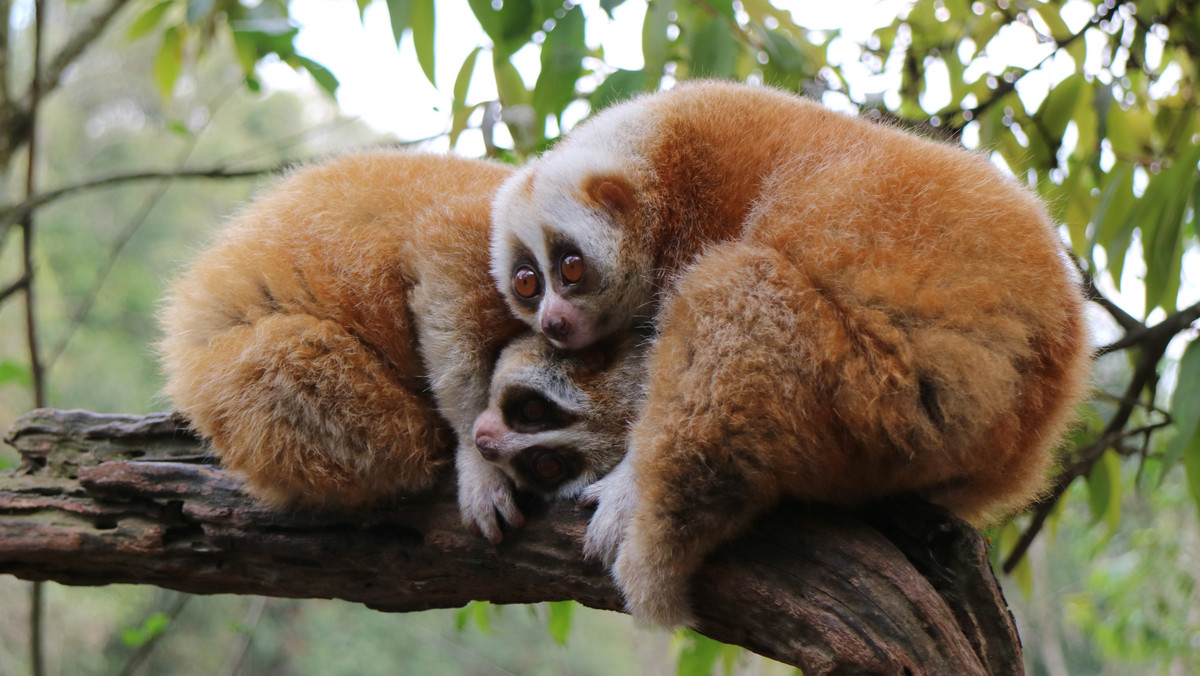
pixel 317 340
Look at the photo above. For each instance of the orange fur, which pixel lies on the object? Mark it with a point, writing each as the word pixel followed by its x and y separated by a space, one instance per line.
pixel 845 312
pixel 316 341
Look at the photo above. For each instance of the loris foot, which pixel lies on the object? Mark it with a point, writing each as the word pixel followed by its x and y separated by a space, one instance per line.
pixel 614 497
pixel 654 592
pixel 485 497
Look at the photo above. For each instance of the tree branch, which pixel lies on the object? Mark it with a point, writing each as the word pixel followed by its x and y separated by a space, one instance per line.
pixel 105 499
pixel 13 212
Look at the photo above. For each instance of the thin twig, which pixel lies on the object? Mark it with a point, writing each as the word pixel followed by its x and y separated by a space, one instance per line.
pixel 37 604
pixel 37 201
pixel 1092 292
pixel 16 286
pixel 1173 324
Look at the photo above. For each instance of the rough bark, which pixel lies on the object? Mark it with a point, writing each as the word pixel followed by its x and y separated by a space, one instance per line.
pixel 902 588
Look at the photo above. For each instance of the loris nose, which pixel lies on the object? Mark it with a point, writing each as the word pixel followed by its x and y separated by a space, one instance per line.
pixel 556 329
pixel 487 446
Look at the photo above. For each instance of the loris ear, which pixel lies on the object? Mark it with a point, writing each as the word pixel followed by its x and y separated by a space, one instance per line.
pixel 611 192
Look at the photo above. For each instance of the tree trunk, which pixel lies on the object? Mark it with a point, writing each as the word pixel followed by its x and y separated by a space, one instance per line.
pixel 902 588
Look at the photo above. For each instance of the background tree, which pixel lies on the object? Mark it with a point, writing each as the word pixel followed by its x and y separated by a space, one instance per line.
pixel 1090 102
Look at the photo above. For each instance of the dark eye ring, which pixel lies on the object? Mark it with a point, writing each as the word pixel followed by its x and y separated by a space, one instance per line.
pixel 534 410
pixel 549 466
pixel 525 282
pixel 571 267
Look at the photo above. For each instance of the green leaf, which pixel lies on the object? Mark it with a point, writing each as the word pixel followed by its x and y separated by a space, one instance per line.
pixel 168 63
pixel 1060 105
pixel 1185 407
pixel 460 111
pixel 1104 490
pixel 713 49
pixel 400 12
pixel 1191 465
pixel 149 19
pixel 1129 130
pixel 1022 574
pixel 463 81
pixel 320 73
pixel 654 40
pixel 511 27
pixel 561 613
pixel 154 625
pixel 699 654
pixel 1162 238
pixel 423 20
pixel 617 87
pixel 609 5
pixel 475 611
pixel 1115 201
pixel 246 49
pixel 786 65
pixel 562 65
pixel 509 84
pixel 15 373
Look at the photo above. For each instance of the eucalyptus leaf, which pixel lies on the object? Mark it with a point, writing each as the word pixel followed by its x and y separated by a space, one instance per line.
pixel 149 19
pixel 559 624
pixel 1185 406
pixel 654 40
pixel 168 63
pixel 326 79
pixel 400 13
pixel 423 19
pixel 618 86
pixel 562 65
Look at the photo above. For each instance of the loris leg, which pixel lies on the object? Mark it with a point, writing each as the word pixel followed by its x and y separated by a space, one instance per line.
pixel 307 413
pixel 615 497
pixel 709 449
pixel 461 329
pixel 753 366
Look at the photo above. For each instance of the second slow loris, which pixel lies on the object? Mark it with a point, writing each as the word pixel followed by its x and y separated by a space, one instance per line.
pixel 845 312
pixel 317 341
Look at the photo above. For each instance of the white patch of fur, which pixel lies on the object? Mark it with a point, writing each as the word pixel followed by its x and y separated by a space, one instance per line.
pixel 615 497
pixel 556 181
pixel 485 495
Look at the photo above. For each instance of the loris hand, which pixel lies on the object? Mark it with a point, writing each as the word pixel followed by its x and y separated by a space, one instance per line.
pixel 614 498
pixel 485 496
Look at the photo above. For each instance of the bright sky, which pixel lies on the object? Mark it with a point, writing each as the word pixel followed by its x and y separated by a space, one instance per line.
pixel 388 90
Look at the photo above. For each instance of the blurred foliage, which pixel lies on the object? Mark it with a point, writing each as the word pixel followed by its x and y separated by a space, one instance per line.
pixel 1093 103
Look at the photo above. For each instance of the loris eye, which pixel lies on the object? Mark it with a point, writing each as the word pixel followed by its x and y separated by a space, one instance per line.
pixel 525 282
pixel 549 467
pixel 571 268
pixel 534 410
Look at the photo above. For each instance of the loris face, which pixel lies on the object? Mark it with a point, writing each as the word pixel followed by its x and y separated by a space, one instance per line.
pixel 557 422
pixel 562 253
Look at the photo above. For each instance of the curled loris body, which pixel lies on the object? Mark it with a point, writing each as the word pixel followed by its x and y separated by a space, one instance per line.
pixel 317 342
pixel 845 312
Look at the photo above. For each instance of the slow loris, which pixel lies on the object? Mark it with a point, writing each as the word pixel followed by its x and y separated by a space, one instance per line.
pixel 845 311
